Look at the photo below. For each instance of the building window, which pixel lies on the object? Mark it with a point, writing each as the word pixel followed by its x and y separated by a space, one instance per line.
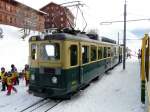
pixel 14 20
pixel 48 20
pixel 53 25
pixel 11 9
pixel 62 25
pixel 4 18
pixel 1 18
pixel 62 19
pixel 11 20
pixel 52 8
pixel 2 5
pixel 7 7
pixel 47 15
pixel 14 9
pixel 52 14
pixel 61 13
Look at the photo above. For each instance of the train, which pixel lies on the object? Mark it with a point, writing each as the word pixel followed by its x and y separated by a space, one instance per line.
pixel 145 74
pixel 64 62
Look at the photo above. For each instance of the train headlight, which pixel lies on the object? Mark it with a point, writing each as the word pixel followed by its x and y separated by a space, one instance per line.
pixel 54 80
pixel 32 77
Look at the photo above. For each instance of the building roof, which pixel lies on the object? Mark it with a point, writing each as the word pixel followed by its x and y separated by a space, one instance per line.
pixel 15 2
pixel 52 3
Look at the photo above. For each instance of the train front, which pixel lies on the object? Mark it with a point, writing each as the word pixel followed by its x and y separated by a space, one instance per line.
pixel 45 67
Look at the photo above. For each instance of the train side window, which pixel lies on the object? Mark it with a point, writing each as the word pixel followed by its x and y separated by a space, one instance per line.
pixel 105 52
pixel 73 55
pixel 114 51
pixel 120 51
pixel 93 53
pixel 100 52
pixel 109 52
pixel 34 51
pixel 85 54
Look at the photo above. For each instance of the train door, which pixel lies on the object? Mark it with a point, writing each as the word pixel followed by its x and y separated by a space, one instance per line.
pixel 73 71
pixel 84 59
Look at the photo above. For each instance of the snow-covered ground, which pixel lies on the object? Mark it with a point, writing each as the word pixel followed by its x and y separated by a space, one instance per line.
pixel 117 91
pixel 13 49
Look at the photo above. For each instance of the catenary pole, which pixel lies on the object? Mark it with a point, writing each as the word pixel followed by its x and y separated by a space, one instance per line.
pixel 124 40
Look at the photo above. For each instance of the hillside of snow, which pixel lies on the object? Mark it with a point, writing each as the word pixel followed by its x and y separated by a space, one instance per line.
pixel 14 50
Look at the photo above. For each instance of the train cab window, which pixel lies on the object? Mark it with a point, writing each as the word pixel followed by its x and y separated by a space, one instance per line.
pixel 34 51
pixel 73 55
pixel 109 52
pixel 50 51
pixel 105 52
pixel 100 52
pixel 85 54
pixel 93 53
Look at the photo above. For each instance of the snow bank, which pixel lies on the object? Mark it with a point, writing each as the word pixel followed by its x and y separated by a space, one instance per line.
pixel 14 50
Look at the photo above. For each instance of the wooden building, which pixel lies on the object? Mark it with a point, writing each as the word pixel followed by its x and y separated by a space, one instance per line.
pixel 19 15
pixel 57 16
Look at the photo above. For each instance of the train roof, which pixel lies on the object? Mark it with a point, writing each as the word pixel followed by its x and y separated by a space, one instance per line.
pixel 66 36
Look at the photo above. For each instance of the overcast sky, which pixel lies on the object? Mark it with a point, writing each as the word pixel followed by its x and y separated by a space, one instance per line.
pixel 97 11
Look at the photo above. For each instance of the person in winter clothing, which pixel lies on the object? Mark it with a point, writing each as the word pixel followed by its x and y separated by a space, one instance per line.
pixel 3 79
pixel 26 74
pixel 0 76
pixel 10 83
pixel 15 74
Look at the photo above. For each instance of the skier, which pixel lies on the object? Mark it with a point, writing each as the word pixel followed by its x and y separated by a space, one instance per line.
pixel 15 74
pixel 26 74
pixel 10 83
pixel 4 79
pixel 0 76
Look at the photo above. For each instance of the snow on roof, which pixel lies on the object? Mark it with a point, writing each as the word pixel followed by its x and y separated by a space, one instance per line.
pixel 25 5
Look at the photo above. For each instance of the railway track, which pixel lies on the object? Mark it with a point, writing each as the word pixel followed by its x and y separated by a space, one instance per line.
pixel 43 105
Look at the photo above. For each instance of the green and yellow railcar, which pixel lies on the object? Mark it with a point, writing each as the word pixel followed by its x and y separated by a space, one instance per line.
pixel 62 63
